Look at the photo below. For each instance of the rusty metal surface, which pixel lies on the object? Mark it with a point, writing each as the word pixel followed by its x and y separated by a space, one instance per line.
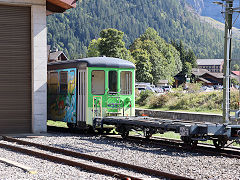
pixel 68 162
pixel 98 159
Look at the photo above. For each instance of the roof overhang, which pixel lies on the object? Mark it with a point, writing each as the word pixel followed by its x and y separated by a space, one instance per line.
pixel 59 6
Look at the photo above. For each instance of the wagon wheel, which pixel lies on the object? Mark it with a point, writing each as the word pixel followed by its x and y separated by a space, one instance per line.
pixel 100 131
pixel 147 133
pixel 71 125
pixel 193 143
pixel 124 134
pixel 189 142
pixel 218 143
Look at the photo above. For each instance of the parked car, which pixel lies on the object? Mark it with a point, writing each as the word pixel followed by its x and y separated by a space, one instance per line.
pixel 150 88
pixel 145 88
pixel 218 87
pixel 207 88
pixel 167 88
pixel 158 90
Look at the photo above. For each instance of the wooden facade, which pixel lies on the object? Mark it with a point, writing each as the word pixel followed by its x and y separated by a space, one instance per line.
pixel 59 6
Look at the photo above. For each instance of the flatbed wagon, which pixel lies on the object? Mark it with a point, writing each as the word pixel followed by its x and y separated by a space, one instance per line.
pixel 190 132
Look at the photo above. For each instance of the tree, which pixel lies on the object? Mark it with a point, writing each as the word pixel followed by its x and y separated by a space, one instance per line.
pixel 110 44
pixel 191 58
pixel 236 67
pixel 164 58
pixel 234 81
pixel 93 48
pixel 187 68
pixel 143 66
pixel 187 57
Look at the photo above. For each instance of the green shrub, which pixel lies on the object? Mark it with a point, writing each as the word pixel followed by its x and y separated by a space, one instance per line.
pixel 142 99
pixel 194 87
pixel 195 101
pixel 158 101
pixel 234 100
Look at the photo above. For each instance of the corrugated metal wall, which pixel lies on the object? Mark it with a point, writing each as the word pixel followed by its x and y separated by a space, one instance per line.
pixel 15 69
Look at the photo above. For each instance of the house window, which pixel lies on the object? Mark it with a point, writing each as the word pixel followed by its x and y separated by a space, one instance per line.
pixel 63 82
pixel 98 82
pixel 53 83
pixel 126 82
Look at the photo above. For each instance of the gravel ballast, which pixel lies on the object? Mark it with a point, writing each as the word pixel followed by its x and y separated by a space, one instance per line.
pixel 193 165
pixel 45 169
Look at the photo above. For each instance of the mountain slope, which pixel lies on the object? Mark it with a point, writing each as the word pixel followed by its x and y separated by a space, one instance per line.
pixel 210 9
pixel 173 19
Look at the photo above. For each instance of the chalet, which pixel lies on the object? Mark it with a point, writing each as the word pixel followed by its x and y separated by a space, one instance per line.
pixel 206 77
pixel 57 56
pixel 200 75
pixel 23 65
pixel 212 65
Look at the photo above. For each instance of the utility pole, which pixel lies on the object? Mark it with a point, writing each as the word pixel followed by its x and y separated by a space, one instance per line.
pixel 227 60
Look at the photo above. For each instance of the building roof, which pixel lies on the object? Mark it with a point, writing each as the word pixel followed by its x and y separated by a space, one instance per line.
pixel 108 62
pixel 201 72
pixel 217 75
pixel 59 6
pixel 206 62
pixel 55 55
pixel 204 80
pixel 236 73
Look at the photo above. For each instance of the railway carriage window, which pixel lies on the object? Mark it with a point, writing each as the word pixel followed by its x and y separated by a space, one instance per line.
pixel 112 81
pixel 98 82
pixel 63 82
pixel 53 83
pixel 126 82
pixel 72 82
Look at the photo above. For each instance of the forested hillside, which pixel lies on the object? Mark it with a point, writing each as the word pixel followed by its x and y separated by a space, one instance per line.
pixel 210 9
pixel 73 30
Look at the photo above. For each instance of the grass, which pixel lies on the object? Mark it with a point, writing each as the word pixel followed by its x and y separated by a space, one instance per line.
pixel 202 102
pixel 169 135
pixel 57 123
pixel 180 110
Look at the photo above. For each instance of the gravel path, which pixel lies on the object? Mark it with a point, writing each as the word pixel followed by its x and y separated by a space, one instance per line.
pixel 194 165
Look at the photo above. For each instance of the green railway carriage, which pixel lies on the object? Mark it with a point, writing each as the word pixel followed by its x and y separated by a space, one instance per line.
pixel 80 91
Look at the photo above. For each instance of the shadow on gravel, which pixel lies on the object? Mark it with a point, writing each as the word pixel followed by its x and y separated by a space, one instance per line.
pixel 92 143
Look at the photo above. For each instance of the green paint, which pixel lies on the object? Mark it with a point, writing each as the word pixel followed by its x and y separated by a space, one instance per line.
pixel 110 104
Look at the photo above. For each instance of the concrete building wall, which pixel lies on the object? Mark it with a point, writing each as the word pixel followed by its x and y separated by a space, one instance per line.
pixel 39 60
pixel 184 116
pixel 39 66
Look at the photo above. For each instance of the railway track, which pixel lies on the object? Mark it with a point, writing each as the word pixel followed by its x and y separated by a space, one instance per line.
pixel 231 152
pixel 129 167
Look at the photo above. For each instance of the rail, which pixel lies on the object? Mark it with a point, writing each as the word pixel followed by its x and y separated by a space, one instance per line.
pixel 88 157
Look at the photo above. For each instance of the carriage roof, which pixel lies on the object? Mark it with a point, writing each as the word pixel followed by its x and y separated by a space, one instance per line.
pixel 108 62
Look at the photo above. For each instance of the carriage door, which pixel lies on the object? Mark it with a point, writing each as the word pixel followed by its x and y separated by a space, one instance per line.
pixel 82 98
